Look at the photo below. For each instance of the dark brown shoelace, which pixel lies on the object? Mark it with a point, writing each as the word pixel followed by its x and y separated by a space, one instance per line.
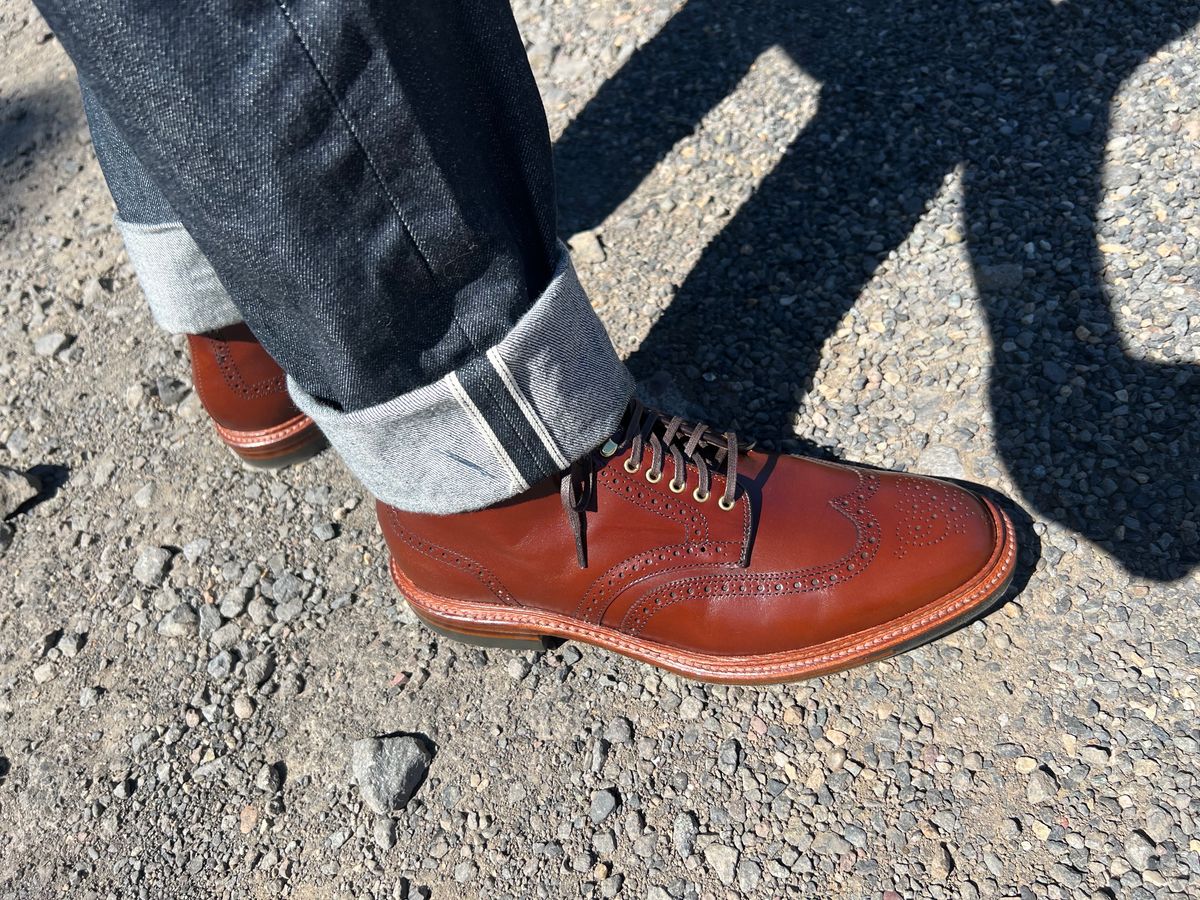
pixel 672 438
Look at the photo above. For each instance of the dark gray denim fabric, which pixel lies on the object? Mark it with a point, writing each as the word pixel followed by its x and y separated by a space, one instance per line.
pixel 371 183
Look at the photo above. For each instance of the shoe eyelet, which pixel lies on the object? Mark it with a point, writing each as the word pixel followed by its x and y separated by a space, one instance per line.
pixel 631 467
pixel 677 489
pixel 726 506
pixel 610 447
pixel 653 477
pixel 700 498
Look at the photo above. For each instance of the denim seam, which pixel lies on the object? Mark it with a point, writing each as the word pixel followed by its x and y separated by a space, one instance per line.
pixel 482 426
pixel 491 388
pixel 392 200
pixel 526 407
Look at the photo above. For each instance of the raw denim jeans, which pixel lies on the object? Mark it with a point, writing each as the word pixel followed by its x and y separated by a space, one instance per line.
pixel 369 185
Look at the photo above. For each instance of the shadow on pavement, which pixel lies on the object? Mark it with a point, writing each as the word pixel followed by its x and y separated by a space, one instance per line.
pixel 1018 94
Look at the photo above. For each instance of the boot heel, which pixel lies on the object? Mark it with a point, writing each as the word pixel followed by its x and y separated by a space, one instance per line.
pixel 498 641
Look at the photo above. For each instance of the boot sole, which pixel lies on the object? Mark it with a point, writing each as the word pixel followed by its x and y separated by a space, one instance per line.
pixel 522 628
pixel 290 442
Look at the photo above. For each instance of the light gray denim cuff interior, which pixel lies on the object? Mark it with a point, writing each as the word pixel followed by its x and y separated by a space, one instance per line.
pixel 185 295
pixel 434 449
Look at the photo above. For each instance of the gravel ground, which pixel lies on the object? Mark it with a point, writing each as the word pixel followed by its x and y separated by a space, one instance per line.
pixel 958 238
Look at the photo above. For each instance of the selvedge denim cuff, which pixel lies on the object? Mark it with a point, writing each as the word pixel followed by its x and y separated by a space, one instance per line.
pixel 185 294
pixel 550 391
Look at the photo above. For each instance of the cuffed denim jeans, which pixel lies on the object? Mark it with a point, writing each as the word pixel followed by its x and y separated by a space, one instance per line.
pixel 368 185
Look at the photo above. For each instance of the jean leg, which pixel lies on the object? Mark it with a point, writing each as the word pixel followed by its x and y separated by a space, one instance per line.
pixel 372 181
pixel 184 293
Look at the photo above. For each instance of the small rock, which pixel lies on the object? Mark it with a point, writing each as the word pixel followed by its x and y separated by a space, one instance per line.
pixel 289 610
pixel 16 489
pixel 1139 850
pixel 49 344
pixel 70 644
pixel 1001 277
pixel 88 697
pixel 180 622
pixel 1026 764
pixel 144 498
pixel 829 843
pixel 1158 824
pixel 723 860
pixel 604 803
pixel 1041 788
pixel 243 706
pixel 941 461
pixel 210 620
pixel 233 603
pixel 942 864
pixel 261 613
pixel 44 672
pixel 517 668
pixel 586 248
pixel 388 771
pixel 260 669
pixel 151 565
pixel 383 833
pixel 248 819
pixel 619 731
pixel 269 779
pixel 171 391
pixel 226 636
pixel 220 666
pixel 684 834
pixel 193 550
pixel 749 874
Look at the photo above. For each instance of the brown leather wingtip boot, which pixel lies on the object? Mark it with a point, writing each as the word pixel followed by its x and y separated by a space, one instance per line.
pixel 672 545
pixel 244 391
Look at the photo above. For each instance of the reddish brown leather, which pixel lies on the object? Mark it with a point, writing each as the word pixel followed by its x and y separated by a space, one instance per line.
pixel 811 552
pixel 240 385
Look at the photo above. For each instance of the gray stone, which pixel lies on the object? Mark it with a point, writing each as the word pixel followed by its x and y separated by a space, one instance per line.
pixel 16 489
pixel 210 620
pixel 941 461
pixel 49 344
pixel 383 833
pixel 260 669
pixel 1000 277
pixel 619 731
pixel 942 864
pixel 684 833
pixel 829 843
pixel 1139 850
pixel 226 636
pixel 151 565
pixel 604 803
pixel 182 621
pixel 723 860
pixel 220 666
pixel 749 874
pixel 586 248
pixel 388 770
pixel 1041 787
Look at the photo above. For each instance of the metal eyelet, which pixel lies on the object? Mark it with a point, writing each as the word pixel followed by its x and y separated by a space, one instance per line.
pixel 726 506
pixel 698 498
pixel 653 477
pixel 677 490
pixel 610 447
pixel 630 466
